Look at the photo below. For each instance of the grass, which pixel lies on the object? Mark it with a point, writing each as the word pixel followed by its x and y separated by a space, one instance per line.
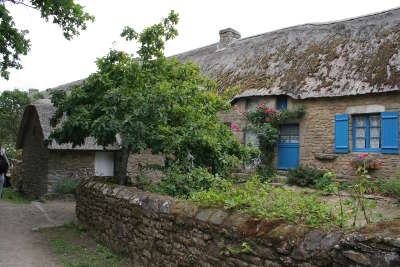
pixel 15 197
pixel 75 248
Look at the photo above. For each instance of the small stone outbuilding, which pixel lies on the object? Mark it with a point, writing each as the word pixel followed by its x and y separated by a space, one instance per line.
pixel 43 166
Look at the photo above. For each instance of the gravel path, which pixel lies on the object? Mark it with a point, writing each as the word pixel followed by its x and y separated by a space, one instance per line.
pixel 20 246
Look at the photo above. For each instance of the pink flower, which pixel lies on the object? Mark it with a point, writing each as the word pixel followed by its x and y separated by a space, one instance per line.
pixel 267 120
pixel 260 106
pixel 379 163
pixel 362 155
pixel 235 127
pixel 268 111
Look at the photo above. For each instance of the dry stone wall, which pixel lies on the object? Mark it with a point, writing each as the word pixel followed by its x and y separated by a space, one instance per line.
pixel 156 230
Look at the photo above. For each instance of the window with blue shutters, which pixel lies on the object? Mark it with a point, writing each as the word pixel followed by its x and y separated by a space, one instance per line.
pixel 341 133
pixel 376 133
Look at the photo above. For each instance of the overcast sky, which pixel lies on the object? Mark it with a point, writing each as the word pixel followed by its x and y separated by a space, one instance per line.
pixel 54 61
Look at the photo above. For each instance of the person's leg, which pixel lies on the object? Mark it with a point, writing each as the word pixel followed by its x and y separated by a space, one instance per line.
pixel 1 184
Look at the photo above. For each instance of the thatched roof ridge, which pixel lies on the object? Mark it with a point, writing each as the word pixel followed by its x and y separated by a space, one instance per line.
pixel 45 111
pixel 348 57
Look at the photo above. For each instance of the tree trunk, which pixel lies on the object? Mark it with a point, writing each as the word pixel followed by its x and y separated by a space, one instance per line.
pixel 121 165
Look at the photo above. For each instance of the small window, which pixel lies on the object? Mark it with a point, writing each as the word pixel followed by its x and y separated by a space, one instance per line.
pixel 251 137
pixel 281 102
pixel 367 132
pixel 104 164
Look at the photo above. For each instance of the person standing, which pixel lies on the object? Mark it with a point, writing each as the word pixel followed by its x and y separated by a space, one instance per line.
pixel 4 164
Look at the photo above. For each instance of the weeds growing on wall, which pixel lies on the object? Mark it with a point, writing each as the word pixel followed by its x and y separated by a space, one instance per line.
pixel 265 122
pixel 269 202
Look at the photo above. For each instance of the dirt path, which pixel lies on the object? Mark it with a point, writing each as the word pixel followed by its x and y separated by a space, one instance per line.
pixel 20 246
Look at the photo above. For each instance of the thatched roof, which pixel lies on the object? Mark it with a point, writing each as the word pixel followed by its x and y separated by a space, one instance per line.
pixel 45 110
pixel 349 57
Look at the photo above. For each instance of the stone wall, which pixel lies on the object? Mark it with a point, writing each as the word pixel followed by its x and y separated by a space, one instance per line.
pixel 34 160
pixel 156 230
pixel 137 162
pixel 69 164
pixel 317 132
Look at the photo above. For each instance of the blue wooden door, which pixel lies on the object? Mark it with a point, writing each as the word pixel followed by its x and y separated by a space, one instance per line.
pixel 288 146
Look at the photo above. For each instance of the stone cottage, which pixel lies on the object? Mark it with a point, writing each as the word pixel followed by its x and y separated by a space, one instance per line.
pixel 346 74
pixel 45 166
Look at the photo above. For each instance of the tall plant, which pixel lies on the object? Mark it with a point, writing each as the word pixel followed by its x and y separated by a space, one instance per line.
pixel 151 102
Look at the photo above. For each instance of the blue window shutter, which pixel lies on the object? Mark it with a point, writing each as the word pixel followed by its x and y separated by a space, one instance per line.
pixel 390 132
pixel 342 133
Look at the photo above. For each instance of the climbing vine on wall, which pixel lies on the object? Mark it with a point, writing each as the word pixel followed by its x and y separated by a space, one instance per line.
pixel 264 122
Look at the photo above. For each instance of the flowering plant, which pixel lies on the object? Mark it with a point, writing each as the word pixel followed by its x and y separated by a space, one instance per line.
pixel 365 161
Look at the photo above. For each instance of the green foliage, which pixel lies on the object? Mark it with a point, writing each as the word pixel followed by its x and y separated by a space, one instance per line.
pixel 66 186
pixel 265 123
pixel 70 16
pixel 177 183
pixel 390 186
pixel 306 176
pixel 12 105
pixel 154 103
pixel 265 201
pixel 243 249
pixel 11 195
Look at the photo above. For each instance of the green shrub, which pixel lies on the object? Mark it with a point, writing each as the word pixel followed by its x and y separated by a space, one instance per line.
pixel 266 201
pixel 390 186
pixel 305 176
pixel 177 183
pixel 66 186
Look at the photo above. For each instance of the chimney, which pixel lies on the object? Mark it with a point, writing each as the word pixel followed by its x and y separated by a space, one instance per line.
pixel 227 37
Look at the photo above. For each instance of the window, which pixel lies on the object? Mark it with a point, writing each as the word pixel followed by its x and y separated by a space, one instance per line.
pixel 104 164
pixel 367 132
pixel 281 102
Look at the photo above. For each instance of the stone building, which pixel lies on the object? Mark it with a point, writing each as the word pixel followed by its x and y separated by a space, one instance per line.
pixel 346 74
pixel 43 166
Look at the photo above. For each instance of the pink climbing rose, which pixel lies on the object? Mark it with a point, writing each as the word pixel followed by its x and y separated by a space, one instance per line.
pixel 267 120
pixel 235 127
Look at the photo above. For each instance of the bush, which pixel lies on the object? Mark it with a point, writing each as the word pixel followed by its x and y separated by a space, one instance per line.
pixel 305 176
pixel 265 201
pixel 177 183
pixel 390 186
pixel 66 186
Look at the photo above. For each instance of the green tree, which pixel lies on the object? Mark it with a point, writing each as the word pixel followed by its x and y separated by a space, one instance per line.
pixel 150 102
pixel 70 16
pixel 12 105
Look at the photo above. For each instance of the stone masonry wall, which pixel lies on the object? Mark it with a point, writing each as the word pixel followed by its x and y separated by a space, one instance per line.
pixel 34 160
pixel 143 159
pixel 317 133
pixel 317 130
pixel 69 164
pixel 156 230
